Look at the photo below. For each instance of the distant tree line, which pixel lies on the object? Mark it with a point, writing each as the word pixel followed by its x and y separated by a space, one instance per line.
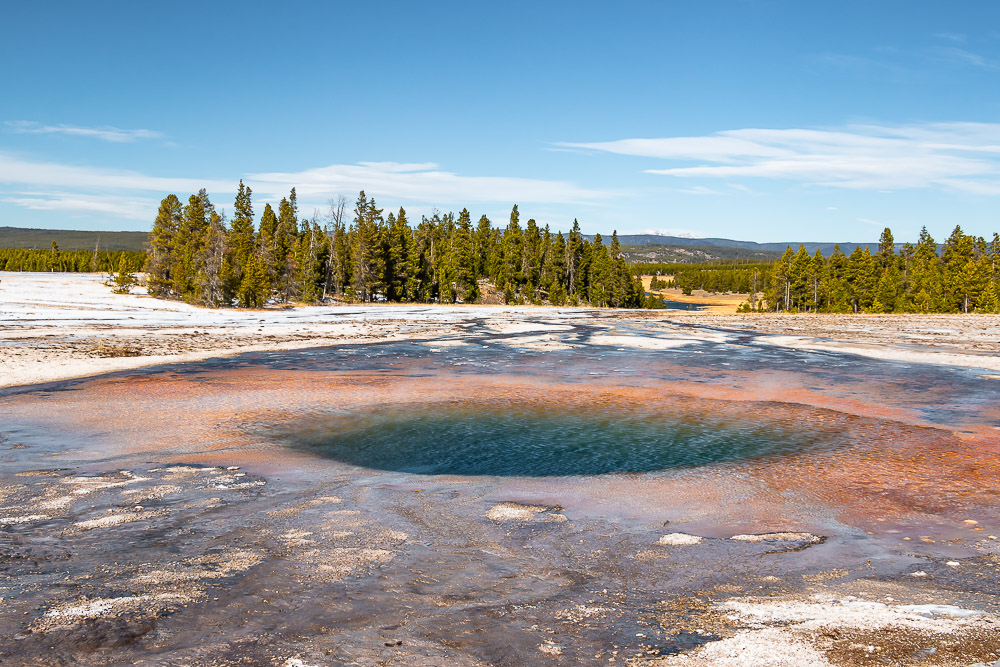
pixel 54 259
pixel 960 276
pixel 964 277
pixel 719 276
pixel 196 256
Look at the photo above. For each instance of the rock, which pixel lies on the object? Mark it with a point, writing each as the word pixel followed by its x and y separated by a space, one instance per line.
pixel 510 511
pixel 679 539
pixel 550 649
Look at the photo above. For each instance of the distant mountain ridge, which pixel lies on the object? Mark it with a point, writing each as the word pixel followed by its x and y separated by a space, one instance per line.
pixel 22 237
pixel 664 240
pixel 68 239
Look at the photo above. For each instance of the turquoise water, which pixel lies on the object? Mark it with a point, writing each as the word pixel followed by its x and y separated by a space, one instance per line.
pixel 478 439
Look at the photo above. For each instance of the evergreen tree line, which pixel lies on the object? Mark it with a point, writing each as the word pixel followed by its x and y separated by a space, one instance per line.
pixel 963 277
pixel 723 277
pixel 960 276
pixel 195 255
pixel 73 261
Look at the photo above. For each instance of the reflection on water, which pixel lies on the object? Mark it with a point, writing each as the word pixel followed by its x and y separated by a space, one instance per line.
pixel 481 438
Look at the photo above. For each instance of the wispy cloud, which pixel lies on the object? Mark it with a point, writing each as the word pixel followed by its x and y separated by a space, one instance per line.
pixel 864 65
pixel 129 208
pixel 700 190
pixel 950 36
pixel 680 233
pixel 20 171
pixel 106 133
pixel 950 52
pixel 422 182
pixel 959 56
pixel 953 156
pixel 129 194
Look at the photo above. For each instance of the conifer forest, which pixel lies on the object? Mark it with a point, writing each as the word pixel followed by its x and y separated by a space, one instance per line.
pixel 960 276
pixel 194 255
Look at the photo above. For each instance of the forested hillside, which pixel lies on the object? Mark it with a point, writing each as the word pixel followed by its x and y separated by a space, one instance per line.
pixel 964 277
pixel 70 239
pixel 719 276
pixel 960 276
pixel 367 257
pixel 194 255
pixel 54 259
pixel 691 254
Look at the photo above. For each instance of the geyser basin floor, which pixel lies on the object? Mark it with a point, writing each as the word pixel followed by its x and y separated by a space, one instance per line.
pixel 118 554
pixel 543 438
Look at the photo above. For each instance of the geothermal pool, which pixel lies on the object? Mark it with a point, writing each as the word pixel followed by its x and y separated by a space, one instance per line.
pixel 499 438
pixel 491 497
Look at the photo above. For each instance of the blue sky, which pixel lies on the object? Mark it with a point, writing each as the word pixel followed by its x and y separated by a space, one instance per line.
pixel 757 120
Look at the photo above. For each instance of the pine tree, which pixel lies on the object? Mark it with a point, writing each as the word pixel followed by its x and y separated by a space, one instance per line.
pixel 780 293
pixel 210 276
pixel 305 283
pixel 600 273
pixel 958 252
pixel 267 245
pixel 124 280
pixel 531 260
pixel 254 287
pixel 863 278
pixel 555 271
pixel 188 243
pixel 799 279
pixel 286 241
pixel 815 273
pixel 485 238
pixel 619 280
pixel 886 255
pixel 463 256
pixel 338 264
pixel 241 233
pixel 904 300
pixel 509 277
pixel 574 256
pixel 55 263
pixel 399 239
pixel 367 249
pixel 926 275
pixel 421 265
pixel 885 292
pixel 162 258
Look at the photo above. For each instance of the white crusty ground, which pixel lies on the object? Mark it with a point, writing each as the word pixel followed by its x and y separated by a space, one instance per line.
pixel 52 326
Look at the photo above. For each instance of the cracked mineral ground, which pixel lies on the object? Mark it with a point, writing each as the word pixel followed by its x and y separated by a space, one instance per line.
pixel 565 492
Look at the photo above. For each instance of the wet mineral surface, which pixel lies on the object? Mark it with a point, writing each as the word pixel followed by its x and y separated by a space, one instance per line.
pixel 573 493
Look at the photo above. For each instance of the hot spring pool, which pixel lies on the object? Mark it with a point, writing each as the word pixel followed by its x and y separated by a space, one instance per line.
pixel 477 438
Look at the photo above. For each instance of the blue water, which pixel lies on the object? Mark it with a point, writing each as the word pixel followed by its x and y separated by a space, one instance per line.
pixel 542 440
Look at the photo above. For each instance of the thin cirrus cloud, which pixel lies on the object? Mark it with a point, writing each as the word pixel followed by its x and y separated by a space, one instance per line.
pixel 107 133
pixel 950 36
pixel 18 171
pixel 964 57
pixel 52 186
pixel 114 205
pixel 948 156
pixel 422 182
